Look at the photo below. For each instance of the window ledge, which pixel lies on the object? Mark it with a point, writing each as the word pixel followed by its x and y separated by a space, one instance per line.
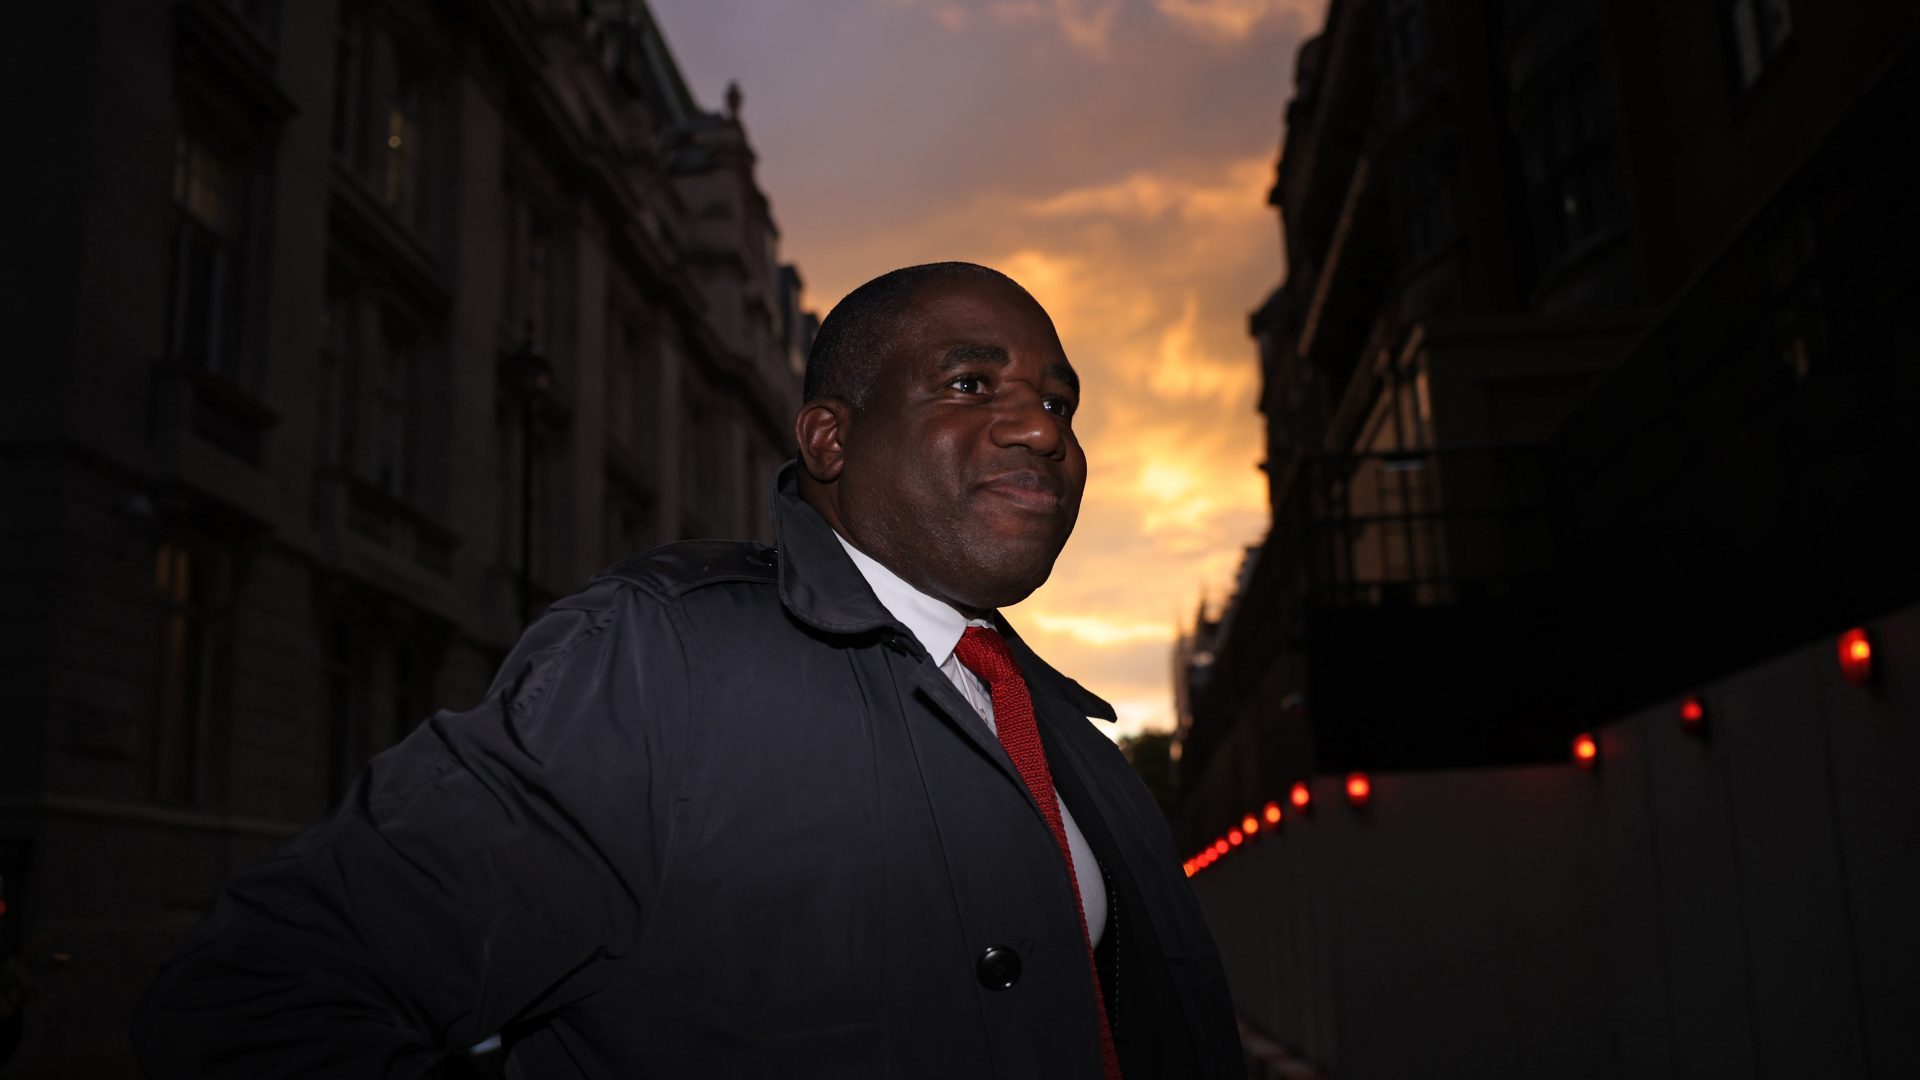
pixel 222 413
pixel 374 227
pixel 1576 258
pixel 213 39
pixel 396 522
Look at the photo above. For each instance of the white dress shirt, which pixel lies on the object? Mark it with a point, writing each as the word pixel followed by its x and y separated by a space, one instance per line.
pixel 937 626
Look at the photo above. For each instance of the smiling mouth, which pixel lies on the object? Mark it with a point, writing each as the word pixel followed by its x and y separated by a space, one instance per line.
pixel 1028 490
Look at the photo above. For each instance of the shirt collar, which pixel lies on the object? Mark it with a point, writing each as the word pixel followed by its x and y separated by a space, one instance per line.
pixel 816 588
pixel 934 623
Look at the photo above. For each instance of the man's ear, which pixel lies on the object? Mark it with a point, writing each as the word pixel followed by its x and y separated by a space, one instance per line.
pixel 820 430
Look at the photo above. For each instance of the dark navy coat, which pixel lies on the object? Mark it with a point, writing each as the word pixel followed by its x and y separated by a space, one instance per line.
pixel 718 816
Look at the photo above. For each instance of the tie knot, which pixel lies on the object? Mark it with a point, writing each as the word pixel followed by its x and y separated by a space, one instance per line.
pixel 985 653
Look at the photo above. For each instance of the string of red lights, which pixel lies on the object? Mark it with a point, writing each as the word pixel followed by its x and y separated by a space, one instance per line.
pixel 1856 666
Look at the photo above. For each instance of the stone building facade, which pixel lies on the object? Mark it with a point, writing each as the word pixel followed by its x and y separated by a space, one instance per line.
pixel 347 332
pixel 1583 301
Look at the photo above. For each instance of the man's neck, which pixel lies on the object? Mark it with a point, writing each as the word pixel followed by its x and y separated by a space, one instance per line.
pixel 936 624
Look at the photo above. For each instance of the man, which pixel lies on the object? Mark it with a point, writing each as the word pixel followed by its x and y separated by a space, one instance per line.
pixel 810 810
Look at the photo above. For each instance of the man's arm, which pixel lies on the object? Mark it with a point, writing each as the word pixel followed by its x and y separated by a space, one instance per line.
pixel 479 874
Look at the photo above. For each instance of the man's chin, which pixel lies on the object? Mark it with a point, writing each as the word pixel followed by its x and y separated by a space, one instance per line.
pixel 1003 586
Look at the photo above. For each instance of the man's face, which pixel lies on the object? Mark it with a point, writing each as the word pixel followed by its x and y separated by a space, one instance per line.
pixel 962 473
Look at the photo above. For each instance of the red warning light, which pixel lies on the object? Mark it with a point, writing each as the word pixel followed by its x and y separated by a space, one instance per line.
pixel 1220 847
pixel 1586 752
pixel 1271 813
pixel 1236 837
pixel 1188 867
pixel 1249 824
pixel 1856 657
pixel 1359 788
pixel 1693 714
pixel 1301 796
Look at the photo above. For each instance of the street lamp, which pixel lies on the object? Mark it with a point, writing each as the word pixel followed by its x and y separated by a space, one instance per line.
pixel 529 374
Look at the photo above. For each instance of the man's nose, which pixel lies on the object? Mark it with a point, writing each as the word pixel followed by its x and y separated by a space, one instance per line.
pixel 1023 420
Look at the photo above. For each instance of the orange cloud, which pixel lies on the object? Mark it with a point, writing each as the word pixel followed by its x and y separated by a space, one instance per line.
pixel 1089 25
pixel 1085 24
pixel 1231 21
pixel 1102 630
pixel 1216 197
pixel 1182 369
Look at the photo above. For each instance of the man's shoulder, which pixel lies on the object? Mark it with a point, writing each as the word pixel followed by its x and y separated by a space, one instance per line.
pixel 672 571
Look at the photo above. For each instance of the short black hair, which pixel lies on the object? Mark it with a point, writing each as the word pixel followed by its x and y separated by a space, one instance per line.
pixel 853 340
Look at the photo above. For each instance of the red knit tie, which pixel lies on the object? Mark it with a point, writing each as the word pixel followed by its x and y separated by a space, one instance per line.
pixel 986 654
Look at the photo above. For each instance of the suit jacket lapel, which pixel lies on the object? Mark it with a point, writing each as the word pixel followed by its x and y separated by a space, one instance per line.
pixel 1147 1015
pixel 931 685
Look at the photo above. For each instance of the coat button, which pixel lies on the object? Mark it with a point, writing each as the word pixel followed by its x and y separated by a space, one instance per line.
pixel 998 967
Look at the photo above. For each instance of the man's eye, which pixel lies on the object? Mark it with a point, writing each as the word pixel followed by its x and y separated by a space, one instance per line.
pixel 1059 406
pixel 968 384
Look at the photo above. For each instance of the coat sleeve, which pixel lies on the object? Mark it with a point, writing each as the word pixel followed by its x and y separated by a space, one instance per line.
pixel 480 874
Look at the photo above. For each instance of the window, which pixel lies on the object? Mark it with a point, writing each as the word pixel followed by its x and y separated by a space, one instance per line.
pixel 1568 164
pixel 193 591
pixel 712 469
pixel 349 84
pixel 405 147
pixel 632 388
pixel 336 387
pixel 392 414
pixel 210 185
pixel 376 360
pixel 412 686
pixel 621 361
pixel 261 18
pixel 385 98
pixel 512 212
pixel 347 673
pixel 1760 31
pixel 534 507
pixel 553 514
pixel 539 298
pixel 535 282
pixel 377 663
pixel 509 485
pixel 1425 198
pixel 1403 54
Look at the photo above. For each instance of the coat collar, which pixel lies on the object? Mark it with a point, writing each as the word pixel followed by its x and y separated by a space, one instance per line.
pixel 820 586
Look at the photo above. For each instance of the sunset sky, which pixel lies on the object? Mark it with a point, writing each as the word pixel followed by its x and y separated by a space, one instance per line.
pixel 1113 156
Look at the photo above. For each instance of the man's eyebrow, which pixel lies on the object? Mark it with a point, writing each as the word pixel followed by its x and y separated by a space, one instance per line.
pixel 1065 373
pixel 980 353
pixel 962 355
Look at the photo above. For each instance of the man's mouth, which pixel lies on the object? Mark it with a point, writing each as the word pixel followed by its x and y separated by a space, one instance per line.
pixel 1026 489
